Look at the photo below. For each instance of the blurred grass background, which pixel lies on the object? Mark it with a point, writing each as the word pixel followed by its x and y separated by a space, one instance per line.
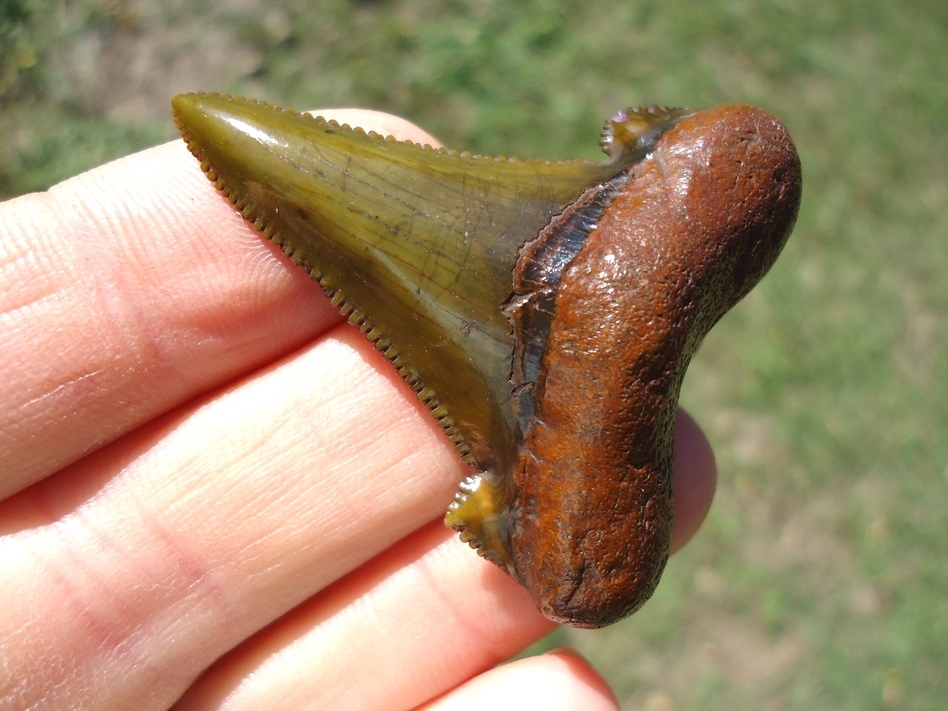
pixel 820 578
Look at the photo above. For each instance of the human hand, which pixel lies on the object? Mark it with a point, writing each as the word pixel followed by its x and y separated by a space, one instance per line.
pixel 217 494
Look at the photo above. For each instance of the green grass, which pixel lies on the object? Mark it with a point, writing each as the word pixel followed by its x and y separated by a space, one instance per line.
pixel 819 580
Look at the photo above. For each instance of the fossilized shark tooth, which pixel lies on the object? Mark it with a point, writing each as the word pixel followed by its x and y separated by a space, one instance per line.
pixel 545 312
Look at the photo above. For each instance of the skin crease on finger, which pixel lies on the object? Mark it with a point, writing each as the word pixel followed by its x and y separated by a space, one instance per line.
pixel 159 568
pixel 158 280
pixel 149 565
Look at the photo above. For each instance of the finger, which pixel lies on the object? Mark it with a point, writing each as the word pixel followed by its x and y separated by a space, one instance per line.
pixel 560 679
pixel 129 290
pixel 416 621
pixel 428 605
pixel 695 479
pixel 149 559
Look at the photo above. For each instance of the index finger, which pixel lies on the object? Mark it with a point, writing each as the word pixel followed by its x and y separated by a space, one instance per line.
pixel 130 289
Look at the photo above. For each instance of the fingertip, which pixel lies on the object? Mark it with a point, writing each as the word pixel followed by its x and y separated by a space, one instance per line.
pixel 380 122
pixel 596 687
pixel 695 479
pixel 558 680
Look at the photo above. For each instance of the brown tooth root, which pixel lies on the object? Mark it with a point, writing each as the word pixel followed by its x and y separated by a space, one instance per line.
pixel 692 229
pixel 709 212
pixel 546 311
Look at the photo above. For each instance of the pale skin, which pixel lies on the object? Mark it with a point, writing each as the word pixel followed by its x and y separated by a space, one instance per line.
pixel 215 494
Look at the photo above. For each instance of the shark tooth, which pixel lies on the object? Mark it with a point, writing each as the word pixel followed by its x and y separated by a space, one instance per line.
pixel 545 312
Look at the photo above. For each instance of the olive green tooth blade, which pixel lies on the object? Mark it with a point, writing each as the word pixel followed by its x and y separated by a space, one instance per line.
pixel 415 245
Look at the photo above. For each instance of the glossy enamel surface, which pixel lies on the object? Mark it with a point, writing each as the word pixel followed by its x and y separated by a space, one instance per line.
pixel 545 312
